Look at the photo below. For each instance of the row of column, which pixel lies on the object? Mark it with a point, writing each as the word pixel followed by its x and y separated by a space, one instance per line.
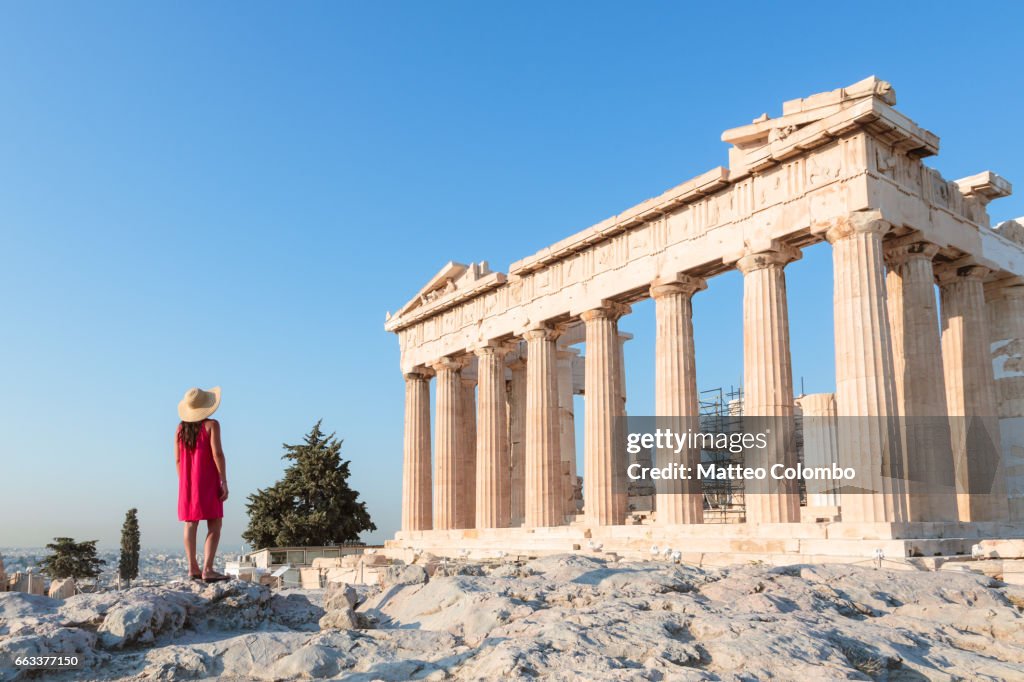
pixel 482 446
pixel 919 410
pixel 929 445
pixel 894 371
pixel 538 433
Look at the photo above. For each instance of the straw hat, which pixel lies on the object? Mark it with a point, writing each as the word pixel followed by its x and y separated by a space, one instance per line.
pixel 198 404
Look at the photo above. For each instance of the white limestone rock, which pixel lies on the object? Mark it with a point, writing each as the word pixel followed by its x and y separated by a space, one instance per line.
pixel 562 617
pixel 50 640
pixel 296 611
pixel 177 663
pixel 451 568
pixel 313 661
pixel 400 574
pixel 88 608
pixel 141 621
pixel 339 619
pixel 21 613
pixel 232 605
pixel 340 596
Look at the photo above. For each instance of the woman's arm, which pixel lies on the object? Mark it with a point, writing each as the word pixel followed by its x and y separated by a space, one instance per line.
pixel 177 453
pixel 218 458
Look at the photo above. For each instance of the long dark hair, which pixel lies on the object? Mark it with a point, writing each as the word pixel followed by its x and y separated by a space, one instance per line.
pixel 188 432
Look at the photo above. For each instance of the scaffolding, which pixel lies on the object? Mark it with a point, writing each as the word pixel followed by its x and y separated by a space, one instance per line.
pixel 721 411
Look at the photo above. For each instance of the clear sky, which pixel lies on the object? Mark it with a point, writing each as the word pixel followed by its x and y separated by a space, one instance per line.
pixel 235 193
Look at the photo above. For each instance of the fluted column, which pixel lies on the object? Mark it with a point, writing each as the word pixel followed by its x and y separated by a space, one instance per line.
pixel 543 463
pixel 920 387
pixel 971 395
pixel 467 452
pixel 1005 302
pixel 675 395
pixel 604 465
pixel 623 338
pixel 492 458
pixel 768 381
pixel 416 514
pixel 869 441
pixel 567 429
pixel 517 440
pixel 446 443
pixel 818 414
pixel 644 458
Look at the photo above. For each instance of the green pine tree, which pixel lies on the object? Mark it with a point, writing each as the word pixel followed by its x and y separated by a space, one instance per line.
pixel 312 505
pixel 128 565
pixel 70 559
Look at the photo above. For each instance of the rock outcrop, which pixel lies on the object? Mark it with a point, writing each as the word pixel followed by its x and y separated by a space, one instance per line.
pixel 560 617
pixel 339 604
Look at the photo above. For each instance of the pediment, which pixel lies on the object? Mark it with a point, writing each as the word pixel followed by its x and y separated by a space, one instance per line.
pixel 452 282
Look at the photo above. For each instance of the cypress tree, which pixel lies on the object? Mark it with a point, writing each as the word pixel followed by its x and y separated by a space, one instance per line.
pixel 128 565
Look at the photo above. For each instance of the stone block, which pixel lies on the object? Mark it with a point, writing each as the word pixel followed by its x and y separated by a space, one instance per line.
pixel 1013 571
pixel 1002 549
pixel 310 578
pixel 327 562
pixel 374 559
pixel 62 588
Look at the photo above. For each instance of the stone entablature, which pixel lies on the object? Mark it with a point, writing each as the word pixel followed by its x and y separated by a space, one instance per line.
pixel 793 177
pixel 843 167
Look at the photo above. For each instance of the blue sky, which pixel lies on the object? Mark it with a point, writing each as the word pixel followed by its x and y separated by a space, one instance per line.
pixel 235 193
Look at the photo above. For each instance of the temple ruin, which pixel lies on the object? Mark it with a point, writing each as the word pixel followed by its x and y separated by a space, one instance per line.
pixel 493 467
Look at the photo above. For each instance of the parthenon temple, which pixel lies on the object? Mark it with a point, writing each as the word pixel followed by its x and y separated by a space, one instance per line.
pixel 928 310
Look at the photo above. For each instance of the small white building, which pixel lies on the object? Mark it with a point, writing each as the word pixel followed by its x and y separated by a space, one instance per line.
pixel 293 566
pixel 272 558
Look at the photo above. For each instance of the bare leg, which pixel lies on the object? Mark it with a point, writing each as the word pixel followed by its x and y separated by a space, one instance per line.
pixel 191 527
pixel 212 540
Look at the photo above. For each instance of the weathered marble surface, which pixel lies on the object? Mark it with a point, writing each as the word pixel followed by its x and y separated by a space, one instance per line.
pixel 560 617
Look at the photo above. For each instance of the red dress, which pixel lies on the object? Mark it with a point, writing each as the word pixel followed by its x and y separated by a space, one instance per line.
pixel 199 481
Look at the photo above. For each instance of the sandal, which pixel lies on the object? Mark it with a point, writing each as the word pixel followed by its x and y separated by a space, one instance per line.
pixel 195 576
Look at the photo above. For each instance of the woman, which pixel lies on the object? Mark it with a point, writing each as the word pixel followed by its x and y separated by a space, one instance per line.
pixel 202 477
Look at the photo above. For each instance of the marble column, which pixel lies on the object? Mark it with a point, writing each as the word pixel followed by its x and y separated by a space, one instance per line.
pixel 517 440
pixel 869 440
pixel 466 503
pixel 446 442
pixel 818 414
pixel 543 464
pixel 971 394
pixel 567 429
pixel 416 514
pixel 493 484
pixel 920 387
pixel 604 465
pixel 645 457
pixel 768 382
pixel 623 338
pixel 1005 302
pixel 676 402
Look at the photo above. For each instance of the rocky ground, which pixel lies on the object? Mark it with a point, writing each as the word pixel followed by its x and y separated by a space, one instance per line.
pixel 562 617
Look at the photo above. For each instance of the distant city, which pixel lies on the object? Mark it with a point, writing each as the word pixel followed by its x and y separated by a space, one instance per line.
pixel 156 565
